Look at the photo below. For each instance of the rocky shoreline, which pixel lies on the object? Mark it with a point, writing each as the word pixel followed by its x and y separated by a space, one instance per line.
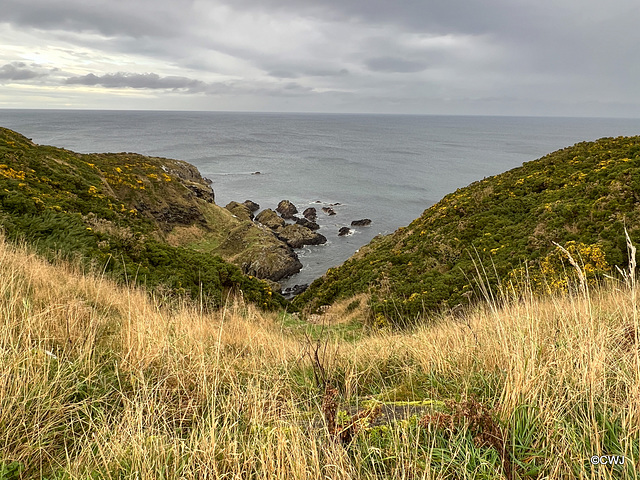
pixel 293 231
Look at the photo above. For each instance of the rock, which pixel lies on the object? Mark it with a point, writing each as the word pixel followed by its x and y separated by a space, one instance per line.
pixel 240 210
pixel 286 209
pixel 172 215
pixel 296 236
pixel 308 224
pixel 272 263
pixel 270 219
pixel 310 214
pixel 328 210
pixel 291 292
pixel 361 223
pixel 255 173
pixel 344 231
pixel 253 206
pixel 201 191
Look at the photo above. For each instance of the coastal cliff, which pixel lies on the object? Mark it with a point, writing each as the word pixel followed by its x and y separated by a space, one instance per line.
pixel 145 218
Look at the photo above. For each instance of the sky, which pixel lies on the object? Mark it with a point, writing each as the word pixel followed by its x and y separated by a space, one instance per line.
pixel 468 57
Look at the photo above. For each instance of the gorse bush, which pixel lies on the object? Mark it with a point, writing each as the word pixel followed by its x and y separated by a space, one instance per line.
pixel 581 197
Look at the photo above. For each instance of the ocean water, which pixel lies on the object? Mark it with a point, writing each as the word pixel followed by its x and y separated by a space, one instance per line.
pixel 387 168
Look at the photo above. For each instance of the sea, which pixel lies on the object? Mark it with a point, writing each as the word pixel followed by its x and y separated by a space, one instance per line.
pixel 386 168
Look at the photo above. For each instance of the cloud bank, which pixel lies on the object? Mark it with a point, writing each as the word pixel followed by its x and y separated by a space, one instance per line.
pixel 514 57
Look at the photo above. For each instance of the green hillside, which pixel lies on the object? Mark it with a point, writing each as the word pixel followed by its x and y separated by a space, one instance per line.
pixel 500 229
pixel 127 214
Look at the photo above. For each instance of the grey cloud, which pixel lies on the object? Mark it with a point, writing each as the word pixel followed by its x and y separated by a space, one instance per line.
pixel 308 72
pixel 153 81
pixel 138 80
pixel 283 74
pixel 19 71
pixel 556 50
pixel 327 72
pixel 436 16
pixel 395 65
pixel 116 17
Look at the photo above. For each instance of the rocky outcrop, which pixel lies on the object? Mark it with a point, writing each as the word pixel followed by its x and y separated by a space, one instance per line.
pixel 271 263
pixel 169 216
pixel 296 236
pixel 307 224
pixel 286 209
pixel 291 292
pixel 328 210
pixel 240 210
pixel 258 252
pixel 310 214
pixel 253 206
pixel 201 191
pixel 270 219
pixel 344 231
pixel 361 223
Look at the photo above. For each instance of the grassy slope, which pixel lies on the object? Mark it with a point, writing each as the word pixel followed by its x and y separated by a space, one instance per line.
pixel 582 194
pixel 98 381
pixel 119 211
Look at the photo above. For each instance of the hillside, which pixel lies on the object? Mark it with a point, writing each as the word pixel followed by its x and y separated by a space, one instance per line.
pixel 499 230
pixel 143 219
pixel 100 381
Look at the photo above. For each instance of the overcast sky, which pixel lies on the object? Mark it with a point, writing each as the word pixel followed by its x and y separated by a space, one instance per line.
pixel 505 57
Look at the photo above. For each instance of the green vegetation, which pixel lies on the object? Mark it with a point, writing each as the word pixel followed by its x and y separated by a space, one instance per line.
pixel 99 381
pixel 116 213
pixel 580 197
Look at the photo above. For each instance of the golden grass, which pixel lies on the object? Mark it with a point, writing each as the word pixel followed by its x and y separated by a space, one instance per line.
pixel 102 380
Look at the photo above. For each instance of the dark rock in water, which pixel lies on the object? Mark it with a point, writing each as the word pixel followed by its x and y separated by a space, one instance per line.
pixel 328 210
pixel 240 210
pixel 253 206
pixel 286 209
pixel 307 223
pixel 361 223
pixel 344 231
pixel 255 173
pixel 291 292
pixel 310 214
pixel 270 219
pixel 296 236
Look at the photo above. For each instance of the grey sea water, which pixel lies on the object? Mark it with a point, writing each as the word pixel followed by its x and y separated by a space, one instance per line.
pixel 388 168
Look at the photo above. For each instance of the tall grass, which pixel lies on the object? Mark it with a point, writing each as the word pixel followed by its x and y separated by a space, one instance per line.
pixel 102 381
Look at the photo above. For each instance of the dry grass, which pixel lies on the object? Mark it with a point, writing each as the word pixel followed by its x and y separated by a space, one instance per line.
pixel 102 381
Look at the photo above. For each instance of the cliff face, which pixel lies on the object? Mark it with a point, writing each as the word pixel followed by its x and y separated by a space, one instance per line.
pixel 104 205
pixel 496 231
